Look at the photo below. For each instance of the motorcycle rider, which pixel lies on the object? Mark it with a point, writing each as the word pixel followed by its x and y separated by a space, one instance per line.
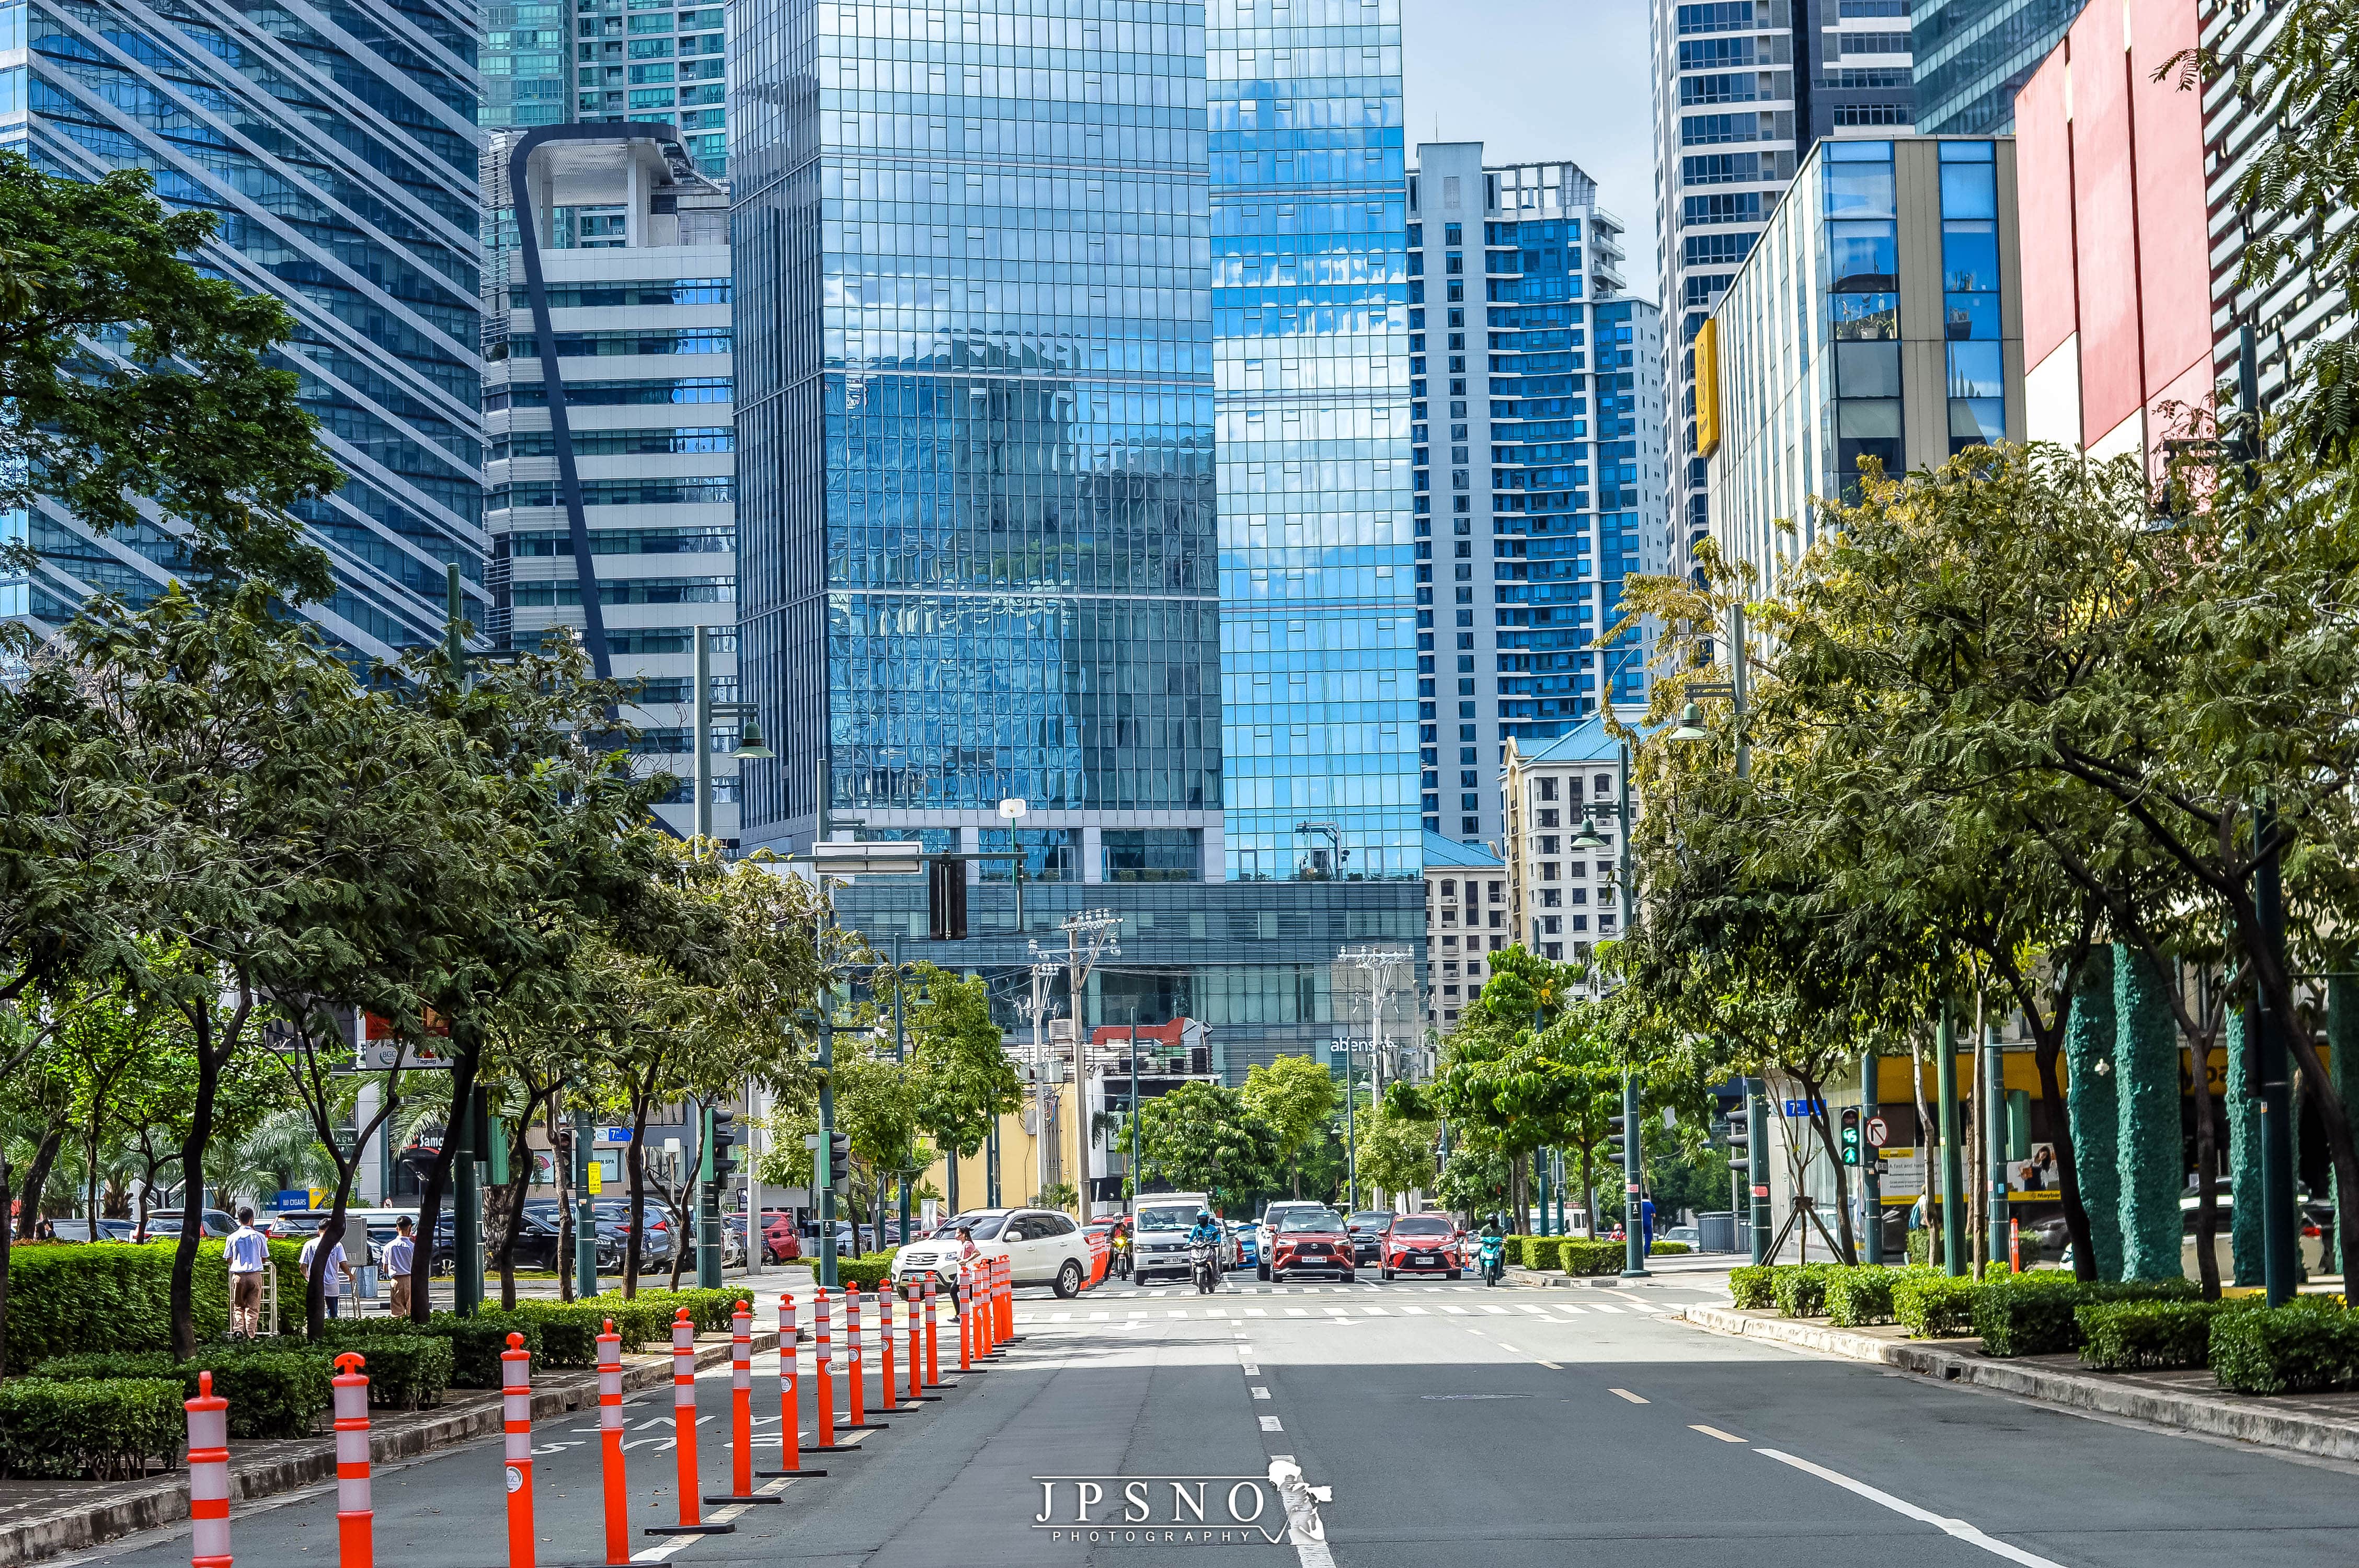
pixel 1494 1248
pixel 1207 1231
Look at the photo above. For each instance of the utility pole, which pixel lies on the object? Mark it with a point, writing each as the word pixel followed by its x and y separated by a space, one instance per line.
pixel 1871 1152
pixel 1133 1127
pixel 1756 1177
pixel 900 1055
pixel 1090 936
pixel 1954 1170
pixel 585 1213
pixel 1036 1008
pixel 1995 1139
pixel 826 1193
pixel 1634 1166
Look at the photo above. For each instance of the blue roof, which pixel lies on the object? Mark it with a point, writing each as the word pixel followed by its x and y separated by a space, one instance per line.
pixel 1587 742
pixel 1450 855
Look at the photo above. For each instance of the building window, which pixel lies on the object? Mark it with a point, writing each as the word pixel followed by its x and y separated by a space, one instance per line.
pixel 1548 789
pixel 1152 854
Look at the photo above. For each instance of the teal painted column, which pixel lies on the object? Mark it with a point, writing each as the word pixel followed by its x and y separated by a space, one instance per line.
pixel 2090 1103
pixel 2243 1113
pixel 2146 1061
pixel 2342 1066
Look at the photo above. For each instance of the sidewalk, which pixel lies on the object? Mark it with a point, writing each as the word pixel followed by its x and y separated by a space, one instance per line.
pixel 2323 1424
pixel 43 1518
pixel 1678 1263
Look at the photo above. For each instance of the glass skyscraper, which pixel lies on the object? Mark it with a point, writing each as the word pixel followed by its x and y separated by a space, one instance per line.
pixel 984 551
pixel 1970 56
pixel 551 62
pixel 337 146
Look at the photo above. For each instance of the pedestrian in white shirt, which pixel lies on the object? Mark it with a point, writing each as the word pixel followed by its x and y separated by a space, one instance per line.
pixel 249 1255
pixel 332 1288
pixel 400 1254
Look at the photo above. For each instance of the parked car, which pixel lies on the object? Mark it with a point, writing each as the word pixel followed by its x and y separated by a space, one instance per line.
pixel 214 1222
pixel 1245 1245
pixel 302 1224
pixel 1422 1244
pixel 1273 1218
pixel 1689 1234
pixel 1311 1241
pixel 1367 1229
pixel 1042 1247
pixel 537 1246
pixel 1159 1245
pixel 80 1230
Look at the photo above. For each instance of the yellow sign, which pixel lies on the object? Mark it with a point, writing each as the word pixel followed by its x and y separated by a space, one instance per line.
pixel 1707 388
pixel 597 1179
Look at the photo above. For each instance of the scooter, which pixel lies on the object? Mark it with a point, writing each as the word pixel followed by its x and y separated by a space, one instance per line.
pixel 1200 1263
pixel 1494 1260
pixel 1120 1258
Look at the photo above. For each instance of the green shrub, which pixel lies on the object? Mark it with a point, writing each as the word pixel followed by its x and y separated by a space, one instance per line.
pixel 407 1371
pixel 1801 1290
pixel 1752 1287
pixel 1860 1297
pixel 1577 1256
pixel 1934 1305
pixel 106 1295
pixel 1542 1251
pixel 636 1320
pixel 2031 1314
pixel 100 1428
pixel 568 1332
pixel 1921 1247
pixel 867 1272
pixel 1667 1248
pixel 2131 1336
pixel 2285 1350
pixel 106 1364
pixel 272 1392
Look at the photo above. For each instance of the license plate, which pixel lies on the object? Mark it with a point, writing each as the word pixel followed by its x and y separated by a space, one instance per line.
pixel 1423 1257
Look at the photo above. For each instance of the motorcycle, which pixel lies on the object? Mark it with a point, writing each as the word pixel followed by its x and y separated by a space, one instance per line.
pixel 1121 1264
pixel 1494 1260
pixel 1200 1264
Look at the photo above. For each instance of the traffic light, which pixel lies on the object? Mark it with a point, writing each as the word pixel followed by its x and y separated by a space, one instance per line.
pixel 725 1144
pixel 1740 1144
pixel 946 899
pixel 1850 1139
pixel 839 1161
pixel 1613 1138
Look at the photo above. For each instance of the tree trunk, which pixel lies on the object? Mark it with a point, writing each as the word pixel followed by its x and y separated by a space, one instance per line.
pixel 635 1162
pixel 212 1056
pixel 1820 1123
pixel 2045 1051
pixel 564 1203
pixel 2207 1145
pixel 463 1063
pixel 332 1234
pixel 36 1179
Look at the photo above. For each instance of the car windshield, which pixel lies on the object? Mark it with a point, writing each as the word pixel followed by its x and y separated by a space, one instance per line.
pixel 1413 1226
pixel 1281 1217
pixel 1316 1221
pixel 985 1225
pixel 1170 1217
pixel 1374 1219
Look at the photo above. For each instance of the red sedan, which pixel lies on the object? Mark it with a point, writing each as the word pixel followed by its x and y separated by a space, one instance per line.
pixel 1312 1241
pixel 1421 1244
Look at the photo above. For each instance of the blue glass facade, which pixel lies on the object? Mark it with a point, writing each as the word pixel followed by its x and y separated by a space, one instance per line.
pixel 1318 574
pixel 337 144
pixel 981 547
pixel 1970 56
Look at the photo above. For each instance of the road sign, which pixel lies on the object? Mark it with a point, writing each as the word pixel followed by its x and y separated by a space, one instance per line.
pixel 900 857
pixel 1799 1107
pixel 1877 1132
pixel 385 1056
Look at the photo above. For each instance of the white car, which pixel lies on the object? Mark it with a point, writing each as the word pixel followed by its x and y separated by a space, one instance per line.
pixel 1158 1237
pixel 1044 1246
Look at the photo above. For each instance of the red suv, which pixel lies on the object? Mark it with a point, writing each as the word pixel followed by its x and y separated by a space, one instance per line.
pixel 1421 1244
pixel 1312 1241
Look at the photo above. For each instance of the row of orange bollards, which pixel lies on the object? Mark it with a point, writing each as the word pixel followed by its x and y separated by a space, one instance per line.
pixel 986 1319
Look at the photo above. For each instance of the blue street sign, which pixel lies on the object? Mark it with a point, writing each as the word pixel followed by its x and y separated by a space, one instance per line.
pixel 1799 1108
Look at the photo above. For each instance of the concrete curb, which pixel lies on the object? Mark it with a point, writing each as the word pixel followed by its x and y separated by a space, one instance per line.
pixel 2225 1416
pixel 394 1435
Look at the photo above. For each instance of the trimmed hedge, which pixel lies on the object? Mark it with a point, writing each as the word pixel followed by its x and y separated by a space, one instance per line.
pixel 868 1271
pixel 1576 1255
pixel 2135 1336
pixel 636 1320
pixel 1933 1305
pixel 273 1391
pixel 1861 1297
pixel 2032 1315
pixel 68 1297
pixel 100 1428
pixel 1801 1290
pixel 1668 1249
pixel 568 1332
pixel 1752 1287
pixel 2285 1350
pixel 1542 1251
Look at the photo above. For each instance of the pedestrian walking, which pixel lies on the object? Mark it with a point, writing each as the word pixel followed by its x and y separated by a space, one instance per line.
pixel 331 1288
pixel 400 1254
pixel 968 1252
pixel 249 1255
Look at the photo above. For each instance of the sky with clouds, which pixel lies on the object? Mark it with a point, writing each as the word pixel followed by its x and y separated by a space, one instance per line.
pixel 1535 79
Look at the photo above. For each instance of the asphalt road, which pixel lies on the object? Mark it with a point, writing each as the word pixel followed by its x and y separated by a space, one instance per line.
pixel 1430 1424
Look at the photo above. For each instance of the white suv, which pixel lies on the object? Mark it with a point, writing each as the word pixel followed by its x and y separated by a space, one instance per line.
pixel 1045 1248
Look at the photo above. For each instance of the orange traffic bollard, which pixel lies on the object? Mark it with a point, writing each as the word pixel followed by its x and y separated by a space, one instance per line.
pixel 516 1421
pixel 965 1322
pixel 917 1369
pixel 790 1417
pixel 741 1411
pixel 209 1476
pixel 611 1464
pixel 986 1302
pixel 355 1519
pixel 887 1390
pixel 1007 1302
pixel 856 1397
pixel 683 1430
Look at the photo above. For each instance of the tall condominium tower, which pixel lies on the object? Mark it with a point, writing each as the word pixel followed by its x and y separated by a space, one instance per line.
pixel 549 62
pixel 987 554
pixel 338 148
pixel 613 437
pixel 1537 428
pixel 1970 56
pixel 1741 88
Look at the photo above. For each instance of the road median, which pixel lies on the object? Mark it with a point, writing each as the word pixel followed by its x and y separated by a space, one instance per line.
pixel 2327 1427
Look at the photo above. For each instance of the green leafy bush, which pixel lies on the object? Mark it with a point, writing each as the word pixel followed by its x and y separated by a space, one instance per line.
pixel 2031 1314
pixel 407 1371
pixel 1861 1297
pixel 1801 1290
pixel 867 1272
pixel 2133 1336
pixel 1754 1287
pixel 100 1428
pixel 106 1295
pixel 477 1344
pixel 1668 1249
pixel 1542 1251
pixel 106 1364
pixel 568 1332
pixel 1921 1247
pixel 2285 1350
pixel 636 1320
pixel 1577 1256
pixel 1935 1305
pixel 272 1392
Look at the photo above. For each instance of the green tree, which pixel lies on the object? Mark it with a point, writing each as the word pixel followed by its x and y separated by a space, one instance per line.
pixel 1201 1138
pixel 1396 1152
pixel 128 376
pixel 1296 1098
pixel 964 1080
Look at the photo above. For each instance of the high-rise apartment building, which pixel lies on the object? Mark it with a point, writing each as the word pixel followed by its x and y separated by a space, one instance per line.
pixel 338 150
pixel 549 62
pixel 1743 88
pixel 1042 501
pixel 607 391
pixel 1536 422
pixel 1465 918
pixel 1564 839
pixel 1971 56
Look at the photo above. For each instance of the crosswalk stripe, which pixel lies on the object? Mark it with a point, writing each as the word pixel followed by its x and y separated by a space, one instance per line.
pixel 1338 1311
pixel 1536 1311
pixel 1412 1308
pixel 1061 1317
pixel 1296 1312
pixel 1099 1316
pixel 1376 1312
pixel 1604 1306
pixel 1257 1312
pixel 1453 1308
pixel 1495 1311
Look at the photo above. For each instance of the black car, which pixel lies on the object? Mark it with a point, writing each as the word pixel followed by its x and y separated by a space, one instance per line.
pixel 536 1247
pixel 1367 1229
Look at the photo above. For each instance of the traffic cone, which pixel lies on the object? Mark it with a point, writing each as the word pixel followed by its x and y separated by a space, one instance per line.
pixel 683 1430
pixel 741 1412
pixel 790 1415
pixel 516 1411
pixel 356 1518
pixel 614 1474
pixel 208 1416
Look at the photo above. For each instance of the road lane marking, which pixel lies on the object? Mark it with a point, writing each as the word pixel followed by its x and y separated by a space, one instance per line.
pixel 1061 1317
pixel 1269 1423
pixel 1453 1308
pixel 1715 1431
pixel 1296 1312
pixel 1261 1393
pixel 1956 1527
pixel 1257 1312
pixel 1628 1395
pixel 1413 1309
pixel 1337 1311
pixel 1504 1345
pixel 1552 1366
pixel 1376 1312
pixel 1495 1311
pixel 1604 1306
pixel 1534 1311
